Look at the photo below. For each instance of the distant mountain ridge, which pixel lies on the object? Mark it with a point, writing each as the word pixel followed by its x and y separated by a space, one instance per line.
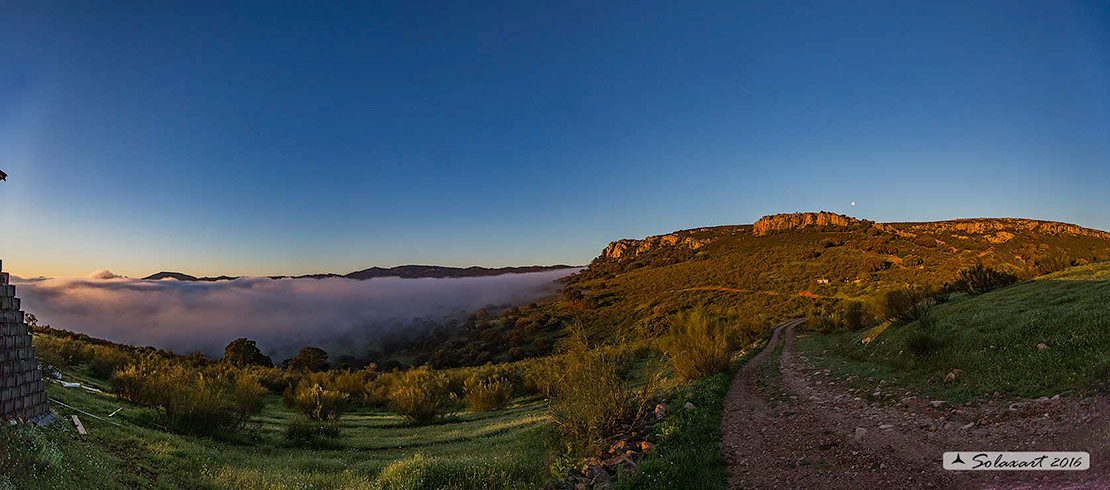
pixel 402 271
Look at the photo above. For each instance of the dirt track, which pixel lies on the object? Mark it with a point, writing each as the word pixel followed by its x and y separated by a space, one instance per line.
pixel 788 425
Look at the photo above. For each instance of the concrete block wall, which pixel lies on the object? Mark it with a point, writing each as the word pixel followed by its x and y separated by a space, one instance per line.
pixel 22 395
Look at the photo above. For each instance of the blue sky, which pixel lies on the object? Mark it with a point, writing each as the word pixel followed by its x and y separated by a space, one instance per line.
pixel 266 139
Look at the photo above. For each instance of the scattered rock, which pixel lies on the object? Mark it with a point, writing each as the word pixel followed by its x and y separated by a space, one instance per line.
pixel 688 406
pixel 860 433
pixel 660 412
pixel 1055 397
pixel 1042 399
pixel 618 447
pixel 952 375
pixel 886 426
pixel 1042 346
pixel 967 426
pixel 937 403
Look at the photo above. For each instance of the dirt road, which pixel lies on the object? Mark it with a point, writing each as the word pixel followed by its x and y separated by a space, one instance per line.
pixel 787 424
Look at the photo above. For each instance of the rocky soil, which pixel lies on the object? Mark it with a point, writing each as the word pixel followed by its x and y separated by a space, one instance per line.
pixel 788 424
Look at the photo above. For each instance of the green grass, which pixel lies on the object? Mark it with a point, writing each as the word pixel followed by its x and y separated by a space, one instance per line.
pixel 993 338
pixel 688 453
pixel 510 448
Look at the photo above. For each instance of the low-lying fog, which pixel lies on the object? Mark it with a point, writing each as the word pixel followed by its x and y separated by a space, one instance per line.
pixel 341 315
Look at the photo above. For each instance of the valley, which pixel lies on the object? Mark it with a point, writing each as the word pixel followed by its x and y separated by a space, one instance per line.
pixel 769 354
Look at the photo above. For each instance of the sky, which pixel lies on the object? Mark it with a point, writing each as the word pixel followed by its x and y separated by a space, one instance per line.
pixel 275 138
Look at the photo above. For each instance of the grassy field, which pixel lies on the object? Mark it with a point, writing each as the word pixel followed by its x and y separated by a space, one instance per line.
pixel 503 449
pixel 993 338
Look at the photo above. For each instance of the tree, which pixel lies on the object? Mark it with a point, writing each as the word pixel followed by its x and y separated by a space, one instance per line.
pixel 309 359
pixel 243 352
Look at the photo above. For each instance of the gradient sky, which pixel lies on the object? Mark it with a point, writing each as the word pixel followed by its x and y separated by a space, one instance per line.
pixel 288 139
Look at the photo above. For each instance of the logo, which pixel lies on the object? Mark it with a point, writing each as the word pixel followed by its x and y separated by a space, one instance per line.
pixel 1016 461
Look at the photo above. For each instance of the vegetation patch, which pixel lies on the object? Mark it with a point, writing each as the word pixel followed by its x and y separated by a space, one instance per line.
pixel 688 454
pixel 1035 338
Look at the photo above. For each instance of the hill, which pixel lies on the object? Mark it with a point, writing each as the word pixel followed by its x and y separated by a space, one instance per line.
pixel 1049 334
pixel 402 271
pixel 185 277
pixel 421 271
pixel 779 267
pixel 784 264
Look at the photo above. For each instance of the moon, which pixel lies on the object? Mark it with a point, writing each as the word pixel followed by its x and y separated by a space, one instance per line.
pixel 853 203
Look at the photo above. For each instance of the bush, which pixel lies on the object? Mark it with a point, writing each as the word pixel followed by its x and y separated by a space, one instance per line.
pixel 701 342
pixel 420 394
pixel 980 279
pixel 350 383
pixel 697 344
pixel 851 315
pixel 922 342
pixel 588 399
pixel 190 400
pixel 103 361
pixel 487 393
pixel 817 322
pixel 903 305
pixel 319 404
pixel 303 430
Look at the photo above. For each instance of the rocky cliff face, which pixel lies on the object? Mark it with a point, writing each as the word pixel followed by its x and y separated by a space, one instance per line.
pixel 791 221
pixel 994 230
pixel 1000 228
pixel 630 248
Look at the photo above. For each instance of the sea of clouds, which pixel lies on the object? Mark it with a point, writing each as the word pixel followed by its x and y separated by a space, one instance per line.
pixel 280 314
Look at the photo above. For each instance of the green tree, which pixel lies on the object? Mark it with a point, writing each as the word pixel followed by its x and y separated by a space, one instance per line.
pixel 243 352
pixel 309 359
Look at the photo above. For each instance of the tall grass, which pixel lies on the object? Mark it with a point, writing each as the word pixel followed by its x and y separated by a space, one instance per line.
pixel 487 393
pixel 421 394
pixel 700 342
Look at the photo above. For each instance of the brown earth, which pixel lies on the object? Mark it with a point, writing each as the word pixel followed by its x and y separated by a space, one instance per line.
pixel 787 424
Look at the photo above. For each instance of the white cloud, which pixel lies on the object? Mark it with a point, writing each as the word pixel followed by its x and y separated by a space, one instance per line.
pixel 282 315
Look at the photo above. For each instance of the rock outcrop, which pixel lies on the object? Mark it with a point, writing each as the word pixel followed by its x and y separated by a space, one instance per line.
pixel 631 248
pixel 1000 229
pixel 792 221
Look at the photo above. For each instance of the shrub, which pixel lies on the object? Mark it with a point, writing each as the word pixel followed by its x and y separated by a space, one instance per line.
pixel 817 322
pixel 189 400
pixel 939 294
pixel 700 342
pixel 272 378
pixel 922 342
pixel 350 383
pixel 851 315
pixel 487 393
pixel 980 279
pixel 697 344
pixel 420 394
pixel 319 404
pixel 588 399
pixel 303 430
pixel 903 305
pixel 103 361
